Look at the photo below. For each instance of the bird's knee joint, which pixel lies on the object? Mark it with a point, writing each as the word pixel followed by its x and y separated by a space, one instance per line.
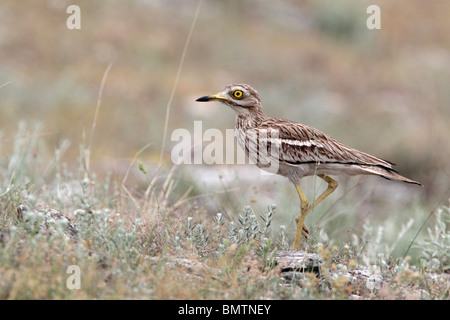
pixel 304 206
pixel 333 184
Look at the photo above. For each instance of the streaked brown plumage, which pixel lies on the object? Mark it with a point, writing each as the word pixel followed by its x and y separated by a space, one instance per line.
pixel 301 150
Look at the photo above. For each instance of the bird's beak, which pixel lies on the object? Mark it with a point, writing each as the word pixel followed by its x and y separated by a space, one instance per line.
pixel 213 97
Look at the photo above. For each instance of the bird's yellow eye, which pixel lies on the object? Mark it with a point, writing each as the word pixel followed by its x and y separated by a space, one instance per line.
pixel 238 94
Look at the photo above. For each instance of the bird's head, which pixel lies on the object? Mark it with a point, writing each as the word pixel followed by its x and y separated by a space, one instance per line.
pixel 240 97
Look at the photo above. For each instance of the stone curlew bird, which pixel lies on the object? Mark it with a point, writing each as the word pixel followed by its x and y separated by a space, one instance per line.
pixel 300 150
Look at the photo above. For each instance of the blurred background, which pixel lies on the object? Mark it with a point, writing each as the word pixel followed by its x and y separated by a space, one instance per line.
pixel 385 92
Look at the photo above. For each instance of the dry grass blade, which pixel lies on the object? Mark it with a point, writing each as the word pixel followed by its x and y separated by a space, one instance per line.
pixel 5 84
pixel 183 197
pixel 180 67
pixel 97 110
pixel 424 223
pixel 133 161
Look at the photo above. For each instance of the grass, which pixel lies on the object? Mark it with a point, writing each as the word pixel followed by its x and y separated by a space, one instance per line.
pixel 144 229
pixel 166 252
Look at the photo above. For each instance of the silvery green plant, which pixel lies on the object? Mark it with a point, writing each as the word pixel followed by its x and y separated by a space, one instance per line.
pixel 267 219
pixel 201 239
pixel 232 232
pixel 218 219
pixel 251 227
pixel 435 249
pixel 282 238
pixel 108 237
pixel 248 228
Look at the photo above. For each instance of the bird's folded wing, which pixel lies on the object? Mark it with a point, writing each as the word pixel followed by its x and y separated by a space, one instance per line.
pixel 295 143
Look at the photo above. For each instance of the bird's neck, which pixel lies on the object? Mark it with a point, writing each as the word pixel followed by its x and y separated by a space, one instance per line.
pixel 250 119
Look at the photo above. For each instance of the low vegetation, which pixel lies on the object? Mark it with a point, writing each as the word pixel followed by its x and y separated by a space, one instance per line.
pixel 131 244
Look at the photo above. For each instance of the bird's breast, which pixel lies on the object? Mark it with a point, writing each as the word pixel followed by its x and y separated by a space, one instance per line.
pixel 240 134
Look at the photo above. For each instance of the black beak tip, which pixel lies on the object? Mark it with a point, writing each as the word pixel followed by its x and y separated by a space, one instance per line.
pixel 203 99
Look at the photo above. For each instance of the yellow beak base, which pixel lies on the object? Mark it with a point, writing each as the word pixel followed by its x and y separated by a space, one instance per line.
pixel 213 97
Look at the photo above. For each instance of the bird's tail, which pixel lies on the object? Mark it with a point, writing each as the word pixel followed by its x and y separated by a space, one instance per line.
pixel 388 173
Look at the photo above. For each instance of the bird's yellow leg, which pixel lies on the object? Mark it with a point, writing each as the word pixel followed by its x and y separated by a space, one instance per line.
pixel 332 185
pixel 305 208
